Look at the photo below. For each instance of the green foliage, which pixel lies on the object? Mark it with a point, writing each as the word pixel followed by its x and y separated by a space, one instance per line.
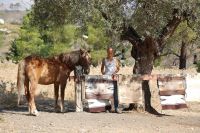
pixel 97 56
pixel 183 33
pixel 157 62
pixel 1 39
pixel 29 42
pixel 98 41
pixel 97 38
pixel 146 16
pixel 55 40
pixel 198 67
pixel 54 23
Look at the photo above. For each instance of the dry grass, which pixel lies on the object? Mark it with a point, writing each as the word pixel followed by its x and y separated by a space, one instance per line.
pixel 8 38
pixel 8 91
pixel 1 119
pixel 11 27
pixel 8 94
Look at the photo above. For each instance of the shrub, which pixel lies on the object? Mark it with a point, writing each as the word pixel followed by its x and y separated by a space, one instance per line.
pixel 97 57
pixel 28 43
pixel 8 95
pixel 198 66
pixel 157 62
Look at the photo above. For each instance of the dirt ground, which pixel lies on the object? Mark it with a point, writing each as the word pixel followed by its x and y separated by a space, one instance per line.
pixel 16 119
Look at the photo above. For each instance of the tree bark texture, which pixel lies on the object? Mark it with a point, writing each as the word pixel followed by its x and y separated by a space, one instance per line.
pixel 183 56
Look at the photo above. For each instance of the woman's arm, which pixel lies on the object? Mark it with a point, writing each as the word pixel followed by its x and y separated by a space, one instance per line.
pixel 117 66
pixel 102 66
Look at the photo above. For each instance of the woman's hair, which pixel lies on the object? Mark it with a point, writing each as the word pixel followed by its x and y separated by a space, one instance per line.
pixel 110 47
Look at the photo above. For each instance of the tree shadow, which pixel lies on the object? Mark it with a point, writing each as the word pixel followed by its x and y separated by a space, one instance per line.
pixel 151 111
pixel 42 104
pixel 47 105
pixel 9 96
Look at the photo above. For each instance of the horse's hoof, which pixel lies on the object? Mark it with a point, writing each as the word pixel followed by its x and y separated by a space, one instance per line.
pixel 35 113
pixel 57 109
pixel 63 110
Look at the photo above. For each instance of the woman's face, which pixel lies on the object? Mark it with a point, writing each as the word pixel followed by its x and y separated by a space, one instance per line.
pixel 110 53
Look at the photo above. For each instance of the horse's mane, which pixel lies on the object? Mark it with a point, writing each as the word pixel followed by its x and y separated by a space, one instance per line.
pixel 74 55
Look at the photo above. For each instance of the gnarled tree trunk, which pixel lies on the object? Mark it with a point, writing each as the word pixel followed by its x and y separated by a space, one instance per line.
pixel 183 56
pixel 144 54
pixel 146 51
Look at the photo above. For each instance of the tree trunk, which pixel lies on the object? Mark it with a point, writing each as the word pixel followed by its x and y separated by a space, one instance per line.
pixel 195 59
pixel 183 56
pixel 146 51
pixel 144 54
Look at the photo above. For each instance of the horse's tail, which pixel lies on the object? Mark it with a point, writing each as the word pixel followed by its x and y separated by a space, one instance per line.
pixel 20 79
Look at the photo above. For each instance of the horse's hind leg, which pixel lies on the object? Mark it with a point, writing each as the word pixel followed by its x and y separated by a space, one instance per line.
pixel 62 107
pixel 56 95
pixel 26 88
pixel 32 107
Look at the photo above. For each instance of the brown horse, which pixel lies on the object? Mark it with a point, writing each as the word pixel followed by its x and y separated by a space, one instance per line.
pixel 45 71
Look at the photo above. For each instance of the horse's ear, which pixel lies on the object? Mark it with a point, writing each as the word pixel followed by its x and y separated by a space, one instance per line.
pixel 81 51
pixel 61 57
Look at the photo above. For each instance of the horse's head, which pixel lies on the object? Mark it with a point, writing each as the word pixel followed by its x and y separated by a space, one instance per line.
pixel 75 58
pixel 85 60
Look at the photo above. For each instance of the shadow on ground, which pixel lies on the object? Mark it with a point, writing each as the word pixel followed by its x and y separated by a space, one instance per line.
pixel 42 104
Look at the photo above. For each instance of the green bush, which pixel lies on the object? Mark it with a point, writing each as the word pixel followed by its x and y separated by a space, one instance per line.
pixel 29 42
pixel 44 43
pixel 198 66
pixel 97 38
pixel 97 57
pixel 51 41
pixel 157 62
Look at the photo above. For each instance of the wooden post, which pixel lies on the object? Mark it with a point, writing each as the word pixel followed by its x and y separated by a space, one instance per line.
pixel 83 88
pixel 78 88
pixel 79 106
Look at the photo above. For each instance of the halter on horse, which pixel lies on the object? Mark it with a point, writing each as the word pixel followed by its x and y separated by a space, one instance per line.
pixel 36 70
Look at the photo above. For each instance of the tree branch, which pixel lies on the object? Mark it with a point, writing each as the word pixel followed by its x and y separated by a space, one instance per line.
pixel 169 29
pixel 170 52
pixel 191 55
pixel 175 54
pixel 131 35
pixel 128 33
pixel 104 15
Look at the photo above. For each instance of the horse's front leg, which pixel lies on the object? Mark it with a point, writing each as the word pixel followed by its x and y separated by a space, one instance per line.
pixel 32 107
pixel 63 85
pixel 56 95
